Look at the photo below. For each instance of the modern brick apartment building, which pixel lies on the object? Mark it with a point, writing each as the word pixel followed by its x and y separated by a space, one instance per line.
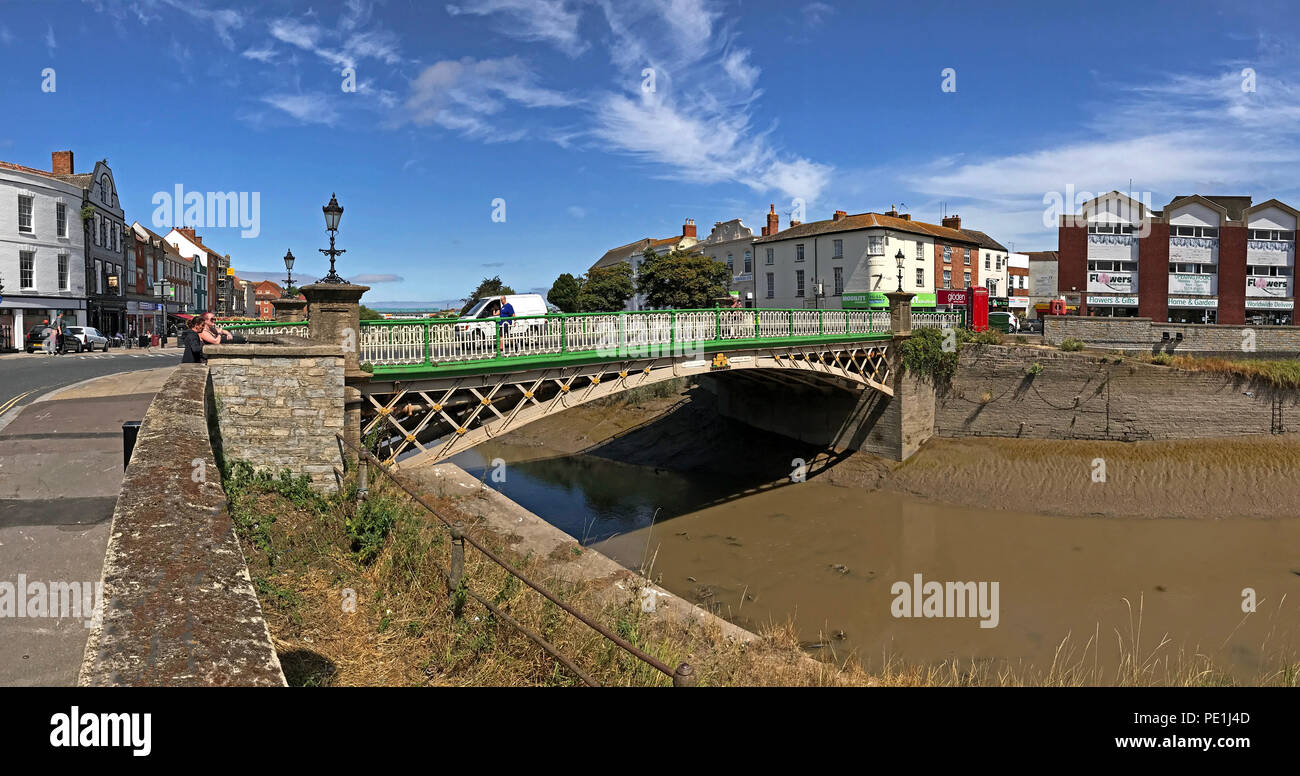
pixel 1202 259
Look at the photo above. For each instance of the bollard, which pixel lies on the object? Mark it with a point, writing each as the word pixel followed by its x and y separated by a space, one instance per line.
pixel 684 676
pixel 457 574
pixel 363 479
pixel 130 431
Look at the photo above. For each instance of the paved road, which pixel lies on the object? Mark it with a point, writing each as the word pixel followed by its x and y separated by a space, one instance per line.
pixel 26 377
pixel 60 473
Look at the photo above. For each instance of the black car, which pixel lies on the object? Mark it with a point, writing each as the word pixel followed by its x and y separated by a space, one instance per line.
pixel 35 340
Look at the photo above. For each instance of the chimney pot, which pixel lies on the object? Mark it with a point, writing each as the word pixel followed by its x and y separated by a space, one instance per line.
pixel 773 221
pixel 838 215
pixel 953 222
pixel 688 228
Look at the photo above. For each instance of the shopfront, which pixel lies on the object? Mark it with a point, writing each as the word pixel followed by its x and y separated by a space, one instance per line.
pixel 18 314
pixel 1112 305
pixel 1270 312
pixel 1193 309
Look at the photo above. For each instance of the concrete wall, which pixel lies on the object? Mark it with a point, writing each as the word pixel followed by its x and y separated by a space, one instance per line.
pixel 1078 396
pixel 179 608
pixel 279 406
pixel 1145 334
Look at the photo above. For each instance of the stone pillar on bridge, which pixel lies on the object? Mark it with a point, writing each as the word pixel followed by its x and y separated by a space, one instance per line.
pixel 289 310
pixel 334 317
pixel 900 313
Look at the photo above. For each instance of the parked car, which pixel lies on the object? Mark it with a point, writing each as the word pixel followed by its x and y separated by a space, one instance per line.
pixel 1034 326
pixel 89 338
pixel 478 321
pixel 35 340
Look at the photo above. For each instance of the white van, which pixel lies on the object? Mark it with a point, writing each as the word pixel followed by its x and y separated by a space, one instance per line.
pixel 480 318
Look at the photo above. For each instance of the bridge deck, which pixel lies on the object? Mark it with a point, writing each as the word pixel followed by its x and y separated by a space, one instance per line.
pixel 449 347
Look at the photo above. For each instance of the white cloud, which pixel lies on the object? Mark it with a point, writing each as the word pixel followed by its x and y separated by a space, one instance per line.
pixel 261 55
pixel 552 21
pixel 224 21
pixel 307 108
pixel 469 96
pixel 6 37
pixel 576 211
pixel 50 43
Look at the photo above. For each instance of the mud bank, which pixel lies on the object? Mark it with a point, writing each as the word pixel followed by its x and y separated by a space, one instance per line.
pixel 1204 478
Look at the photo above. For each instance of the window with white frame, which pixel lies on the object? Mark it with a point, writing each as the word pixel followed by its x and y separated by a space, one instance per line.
pixel 987 258
pixel 839 280
pixel 947 278
pixel 63 272
pixel 771 285
pixel 1193 231
pixel 61 219
pixel 798 252
pixel 920 251
pixel 25 214
pixel 749 263
pixel 875 245
pixel 27 270
pixel 947 254
pixel 798 283
pixel 920 277
pixel 966 279
pixel 1110 229
pixel 731 269
pixel 968 257
pixel 838 252
pixel 1272 234
pixel 771 256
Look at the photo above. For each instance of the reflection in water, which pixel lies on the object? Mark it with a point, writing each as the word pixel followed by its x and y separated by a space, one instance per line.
pixel 828 556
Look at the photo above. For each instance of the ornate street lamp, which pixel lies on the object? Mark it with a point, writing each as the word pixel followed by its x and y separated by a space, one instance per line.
pixel 899 258
pixel 288 268
pixel 333 212
pixel 160 289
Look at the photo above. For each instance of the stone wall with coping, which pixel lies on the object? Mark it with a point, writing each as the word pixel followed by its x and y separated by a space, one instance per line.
pixel 1038 393
pixel 1145 334
pixel 179 607
pixel 279 406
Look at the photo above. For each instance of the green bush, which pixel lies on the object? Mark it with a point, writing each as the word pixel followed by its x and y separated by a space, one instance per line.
pixel 368 528
pixel 1034 369
pixel 986 337
pixel 1071 344
pixel 1163 359
pixel 923 353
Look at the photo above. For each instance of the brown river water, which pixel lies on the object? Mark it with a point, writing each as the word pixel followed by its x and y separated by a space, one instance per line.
pixel 831 559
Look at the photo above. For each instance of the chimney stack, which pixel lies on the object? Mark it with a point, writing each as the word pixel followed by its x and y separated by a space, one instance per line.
pixel 188 231
pixel 61 163
pixel 838 215
pixel 688 228
pixel 773 221
pixel 953 222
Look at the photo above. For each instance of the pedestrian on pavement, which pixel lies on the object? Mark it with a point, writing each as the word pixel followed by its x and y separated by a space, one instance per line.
pixel 51 334
pixel 192 341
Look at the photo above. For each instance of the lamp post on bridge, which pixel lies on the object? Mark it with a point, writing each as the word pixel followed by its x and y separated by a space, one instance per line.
pixel 333 317
pixel 289 308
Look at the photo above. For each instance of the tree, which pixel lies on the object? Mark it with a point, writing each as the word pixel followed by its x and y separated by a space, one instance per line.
pixel 681 280
pixel 368 314
pixel 488 287
pixel 606 289
pixel 564 293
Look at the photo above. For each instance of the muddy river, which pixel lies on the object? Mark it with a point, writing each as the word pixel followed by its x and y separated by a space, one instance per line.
pixel 856 570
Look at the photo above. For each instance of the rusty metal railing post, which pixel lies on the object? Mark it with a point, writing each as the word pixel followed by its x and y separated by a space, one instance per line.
pixel 684 676
pixel 363 478
pixel 457 574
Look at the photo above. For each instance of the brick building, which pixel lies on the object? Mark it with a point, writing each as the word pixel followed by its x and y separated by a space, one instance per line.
pixel 1202 259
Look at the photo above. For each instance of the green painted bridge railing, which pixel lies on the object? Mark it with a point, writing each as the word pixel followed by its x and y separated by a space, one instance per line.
pixel 448 346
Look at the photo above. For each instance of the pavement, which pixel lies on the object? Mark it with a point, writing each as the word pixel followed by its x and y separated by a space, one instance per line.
pixel 25 377
pixel 60 473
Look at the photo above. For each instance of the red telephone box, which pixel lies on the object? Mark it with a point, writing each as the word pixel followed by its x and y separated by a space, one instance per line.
pixel 978 308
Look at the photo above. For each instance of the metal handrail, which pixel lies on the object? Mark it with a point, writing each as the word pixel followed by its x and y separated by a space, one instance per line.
pixel 682 676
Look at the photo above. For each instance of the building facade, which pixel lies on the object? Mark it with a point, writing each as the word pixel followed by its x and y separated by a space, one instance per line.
pixel 104 224
pixel 208 267
pixel 1042 281
pixel 1017 298
pixel 155 259
pixel 852 261
pixel 633 253
pixel 264 293
pixel 732 243
pixel 42 252
pixel 1202 259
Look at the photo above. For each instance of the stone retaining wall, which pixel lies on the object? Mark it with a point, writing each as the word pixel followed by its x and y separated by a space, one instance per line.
pixel 179 607
pixel 278 406
pixel 1145 334
pixel 1086 396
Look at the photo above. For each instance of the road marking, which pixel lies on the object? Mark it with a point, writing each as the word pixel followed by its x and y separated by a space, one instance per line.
pixel 10 404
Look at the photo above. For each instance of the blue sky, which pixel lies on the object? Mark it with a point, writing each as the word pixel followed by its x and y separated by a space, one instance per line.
pixel 543 103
